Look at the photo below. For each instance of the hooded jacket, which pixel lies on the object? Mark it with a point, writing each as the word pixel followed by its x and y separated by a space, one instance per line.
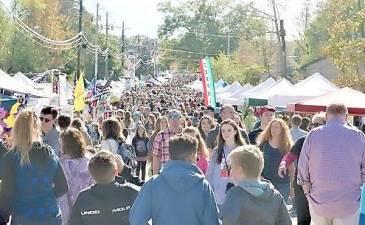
pixel 253 203
pixel 179 195
pixel 104 204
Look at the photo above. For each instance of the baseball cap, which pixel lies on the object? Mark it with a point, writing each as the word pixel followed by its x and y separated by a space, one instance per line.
pixel 267 108
pixel 174 115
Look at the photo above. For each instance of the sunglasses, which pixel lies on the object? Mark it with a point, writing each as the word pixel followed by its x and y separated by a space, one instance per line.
pixel 44 119
pixel 174 117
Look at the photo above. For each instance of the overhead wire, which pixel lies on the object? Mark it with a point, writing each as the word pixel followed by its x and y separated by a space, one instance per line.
pixel 17 20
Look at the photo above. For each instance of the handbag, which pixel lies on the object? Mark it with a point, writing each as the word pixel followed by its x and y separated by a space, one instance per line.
pixel 230 184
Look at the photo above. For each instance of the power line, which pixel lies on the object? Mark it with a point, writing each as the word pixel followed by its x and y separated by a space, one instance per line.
pixel 184 51
pixel 73 42
pixel 205 34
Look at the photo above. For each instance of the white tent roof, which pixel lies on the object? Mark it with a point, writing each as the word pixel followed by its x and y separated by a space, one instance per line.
pixel 281 85
pixel 28 85
pixel 259 88
pixel 313 86
pixel 234 97
pixel 219 83
pixel 9 83
pixel 196 85
pixel 162 79
pixel 19 76
pixel 231 88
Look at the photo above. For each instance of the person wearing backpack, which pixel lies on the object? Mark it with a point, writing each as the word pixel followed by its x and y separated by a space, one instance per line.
pixel 140 142
pixel 114 141
pixel 112 135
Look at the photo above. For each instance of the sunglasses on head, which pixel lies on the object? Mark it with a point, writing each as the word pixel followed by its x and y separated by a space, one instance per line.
pixel 174 117
pixel 44 119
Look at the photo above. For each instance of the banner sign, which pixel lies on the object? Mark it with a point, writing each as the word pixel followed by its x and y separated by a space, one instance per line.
pixel 208 82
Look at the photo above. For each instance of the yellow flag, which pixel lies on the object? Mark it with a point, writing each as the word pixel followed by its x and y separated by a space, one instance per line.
pixel 10 121
pixel 79 94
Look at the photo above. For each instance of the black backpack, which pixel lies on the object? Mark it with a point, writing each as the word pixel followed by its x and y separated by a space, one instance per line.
pixel 128 154
pixel 141 147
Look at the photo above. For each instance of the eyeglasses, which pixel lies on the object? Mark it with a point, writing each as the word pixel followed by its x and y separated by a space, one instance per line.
pixel 44 119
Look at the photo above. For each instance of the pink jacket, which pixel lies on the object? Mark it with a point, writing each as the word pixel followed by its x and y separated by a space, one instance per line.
pixel 202 163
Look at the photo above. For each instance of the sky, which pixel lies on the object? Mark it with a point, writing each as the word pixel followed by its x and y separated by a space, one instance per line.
pixel 141 16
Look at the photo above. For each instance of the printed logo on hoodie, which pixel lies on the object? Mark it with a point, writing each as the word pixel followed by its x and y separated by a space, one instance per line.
pixel 121 209
pixel 91 212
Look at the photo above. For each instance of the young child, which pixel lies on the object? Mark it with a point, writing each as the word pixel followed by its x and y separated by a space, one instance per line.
pixel 106 202
pixel 252 201
pixel 140 142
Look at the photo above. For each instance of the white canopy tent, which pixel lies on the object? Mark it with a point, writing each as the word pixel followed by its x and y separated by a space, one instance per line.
pixel 268 83
pixel 219 84
pixel 196 85
pixel 261 98
pixel 313 86
pixel 162 80
pixel 28 85
pixel 281 85
pixel 233 89
pixel 234 98
pixel 19 76
pixel 9 83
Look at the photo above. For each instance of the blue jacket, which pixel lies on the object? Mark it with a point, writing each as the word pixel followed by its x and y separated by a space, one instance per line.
pixel 179 195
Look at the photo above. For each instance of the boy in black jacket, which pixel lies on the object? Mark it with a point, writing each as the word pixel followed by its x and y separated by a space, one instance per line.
pixel 106 202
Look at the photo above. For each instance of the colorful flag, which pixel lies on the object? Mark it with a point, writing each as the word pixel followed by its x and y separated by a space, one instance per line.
pixel 10 121
pixel 208 82
pixel 79 95
pixel 91 89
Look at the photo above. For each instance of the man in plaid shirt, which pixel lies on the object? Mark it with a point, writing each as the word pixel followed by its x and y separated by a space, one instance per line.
pixel 160 150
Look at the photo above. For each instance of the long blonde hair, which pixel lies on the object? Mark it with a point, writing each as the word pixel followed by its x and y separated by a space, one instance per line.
pixel 25 132
pixel 286 140
pixel 202 148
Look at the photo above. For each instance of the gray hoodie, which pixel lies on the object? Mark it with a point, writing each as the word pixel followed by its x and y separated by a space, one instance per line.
pixel 254 203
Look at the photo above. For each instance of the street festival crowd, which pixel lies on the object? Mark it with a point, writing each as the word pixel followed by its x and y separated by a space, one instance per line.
pixel 162 157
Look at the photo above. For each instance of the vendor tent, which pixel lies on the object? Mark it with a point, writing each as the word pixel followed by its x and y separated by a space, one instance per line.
pixel 28 85
pixel 196 85
pixel 19 76
pixel 354 100
pixel 220 84
pixel 313 86
pixel 153 82
pixel 234 98
pixel 261 99
pixel 232 90
pixel 9 83
pixel 259 88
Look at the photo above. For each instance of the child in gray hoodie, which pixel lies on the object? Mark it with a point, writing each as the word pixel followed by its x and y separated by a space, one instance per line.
pixel 252 201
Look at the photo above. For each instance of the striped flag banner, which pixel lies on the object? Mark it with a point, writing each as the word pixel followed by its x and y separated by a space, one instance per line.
pixel 208 82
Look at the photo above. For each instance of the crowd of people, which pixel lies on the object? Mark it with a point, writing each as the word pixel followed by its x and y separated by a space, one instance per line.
pixel 162 157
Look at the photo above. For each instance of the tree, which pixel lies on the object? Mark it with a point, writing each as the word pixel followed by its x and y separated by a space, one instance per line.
pixel 230 69
pixel 5 36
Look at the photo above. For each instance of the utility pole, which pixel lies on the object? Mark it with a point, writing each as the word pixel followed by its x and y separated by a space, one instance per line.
pixel 107 48
pixel 282 35
pixel 361 6
pixel 306 20
pixel 96 43
pixel 228 44
pixel 154 59
pixel 123 44
pixel 278 36
pixel 79 52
